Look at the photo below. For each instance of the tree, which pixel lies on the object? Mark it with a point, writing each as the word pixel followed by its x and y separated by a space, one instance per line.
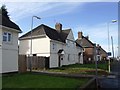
pixel 4 11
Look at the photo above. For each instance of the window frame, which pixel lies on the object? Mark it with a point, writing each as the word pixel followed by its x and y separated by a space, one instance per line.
pixel 8 37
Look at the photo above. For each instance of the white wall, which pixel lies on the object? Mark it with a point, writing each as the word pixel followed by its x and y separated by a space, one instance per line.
pixel 40 46
pixel 10 53
pixel 0 50
pixel 54 52
pixel 70 49
pixel 10 61
pixel 71 36
pixel 0 60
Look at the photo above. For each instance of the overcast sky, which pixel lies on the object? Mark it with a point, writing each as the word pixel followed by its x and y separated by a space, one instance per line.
pixel 90 17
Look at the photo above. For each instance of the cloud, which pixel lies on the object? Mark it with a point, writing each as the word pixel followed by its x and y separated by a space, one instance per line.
pixel 21 10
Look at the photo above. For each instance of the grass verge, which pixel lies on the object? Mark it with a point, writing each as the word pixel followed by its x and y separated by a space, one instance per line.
pixel 40 81
pixel 82 69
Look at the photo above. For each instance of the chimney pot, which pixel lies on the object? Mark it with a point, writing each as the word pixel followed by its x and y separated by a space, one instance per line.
pixel 58 27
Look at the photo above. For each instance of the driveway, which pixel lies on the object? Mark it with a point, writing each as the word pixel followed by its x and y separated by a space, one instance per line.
pixel 111 81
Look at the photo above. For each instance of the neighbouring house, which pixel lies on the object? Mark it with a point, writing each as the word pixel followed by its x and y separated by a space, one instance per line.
pixel 102 54
pixel 8 45
pixel 57 44
pixel 89 48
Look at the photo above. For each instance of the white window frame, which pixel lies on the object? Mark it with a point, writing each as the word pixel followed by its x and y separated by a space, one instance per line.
pixel 8 39
pixel 4 36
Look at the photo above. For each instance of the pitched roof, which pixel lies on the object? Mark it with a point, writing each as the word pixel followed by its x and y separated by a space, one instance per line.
pixel 101 49
pixel 85 42
pixel 77 44
pixel 8 23
pixel 50 32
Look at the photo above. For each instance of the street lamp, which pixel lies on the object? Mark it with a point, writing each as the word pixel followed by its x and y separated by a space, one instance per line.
pixel 112 47
pixel 31 41
pixel 113 21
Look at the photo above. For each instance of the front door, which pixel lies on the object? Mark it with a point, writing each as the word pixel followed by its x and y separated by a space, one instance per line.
pixel 60 59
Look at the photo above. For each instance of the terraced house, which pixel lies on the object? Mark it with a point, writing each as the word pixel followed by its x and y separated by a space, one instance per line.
pixel 57 44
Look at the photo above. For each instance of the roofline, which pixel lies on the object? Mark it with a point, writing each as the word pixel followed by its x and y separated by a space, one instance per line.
pixel 11 29
pixel 51 40
pixel 89 41
pixel 103 49
pixel 37 36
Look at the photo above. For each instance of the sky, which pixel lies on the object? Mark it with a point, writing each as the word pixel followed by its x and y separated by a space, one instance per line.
pixel 91 17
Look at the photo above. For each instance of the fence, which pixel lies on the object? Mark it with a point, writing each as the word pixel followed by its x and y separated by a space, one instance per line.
pixel 22 63
pixel 33 62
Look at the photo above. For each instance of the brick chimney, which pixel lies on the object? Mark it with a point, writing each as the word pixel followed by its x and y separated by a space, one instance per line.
pixel 80 34
pixel 58 27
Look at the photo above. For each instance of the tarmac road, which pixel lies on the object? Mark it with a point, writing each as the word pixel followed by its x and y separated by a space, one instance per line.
pixel 112 81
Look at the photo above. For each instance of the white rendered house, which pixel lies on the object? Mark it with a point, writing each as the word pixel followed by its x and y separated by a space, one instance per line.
pixel 8 45
pixel 57 44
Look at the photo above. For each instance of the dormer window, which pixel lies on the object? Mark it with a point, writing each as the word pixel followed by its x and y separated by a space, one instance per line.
pixel 7 37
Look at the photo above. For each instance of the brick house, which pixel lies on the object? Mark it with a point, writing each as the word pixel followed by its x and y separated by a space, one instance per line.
pixel 102 53
pixel 89 47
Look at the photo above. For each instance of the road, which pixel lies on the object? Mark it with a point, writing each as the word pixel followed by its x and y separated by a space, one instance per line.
pixel 111 81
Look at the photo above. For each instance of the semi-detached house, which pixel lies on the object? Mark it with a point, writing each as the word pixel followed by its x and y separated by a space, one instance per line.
pixel 57 44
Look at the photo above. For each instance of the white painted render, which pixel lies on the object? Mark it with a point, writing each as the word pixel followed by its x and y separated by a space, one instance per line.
pixel 70 49
pixel 40 46
pixel 70 56
pixel 9 51
pixel 0 50
pixel 44 46
pixel 71 36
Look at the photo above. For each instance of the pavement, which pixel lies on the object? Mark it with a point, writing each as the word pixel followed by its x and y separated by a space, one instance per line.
pixel 112 81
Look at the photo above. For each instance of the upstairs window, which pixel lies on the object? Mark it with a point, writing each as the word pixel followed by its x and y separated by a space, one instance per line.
pixel 54 46
pixel 7 37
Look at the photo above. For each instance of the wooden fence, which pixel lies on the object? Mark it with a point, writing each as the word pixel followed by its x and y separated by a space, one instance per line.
pixel 22 63
pixel 34 62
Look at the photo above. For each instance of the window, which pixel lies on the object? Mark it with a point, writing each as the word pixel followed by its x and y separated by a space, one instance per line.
pixel 34 54
pixel 4 36
pixel 54 46
pixel 7 37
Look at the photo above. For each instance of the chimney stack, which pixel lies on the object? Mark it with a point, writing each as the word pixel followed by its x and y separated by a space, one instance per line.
pixel 80 34
pixel 58 27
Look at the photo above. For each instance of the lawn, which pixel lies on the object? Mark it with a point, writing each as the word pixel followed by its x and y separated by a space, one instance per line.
pixel 40 81
pixel 82 69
